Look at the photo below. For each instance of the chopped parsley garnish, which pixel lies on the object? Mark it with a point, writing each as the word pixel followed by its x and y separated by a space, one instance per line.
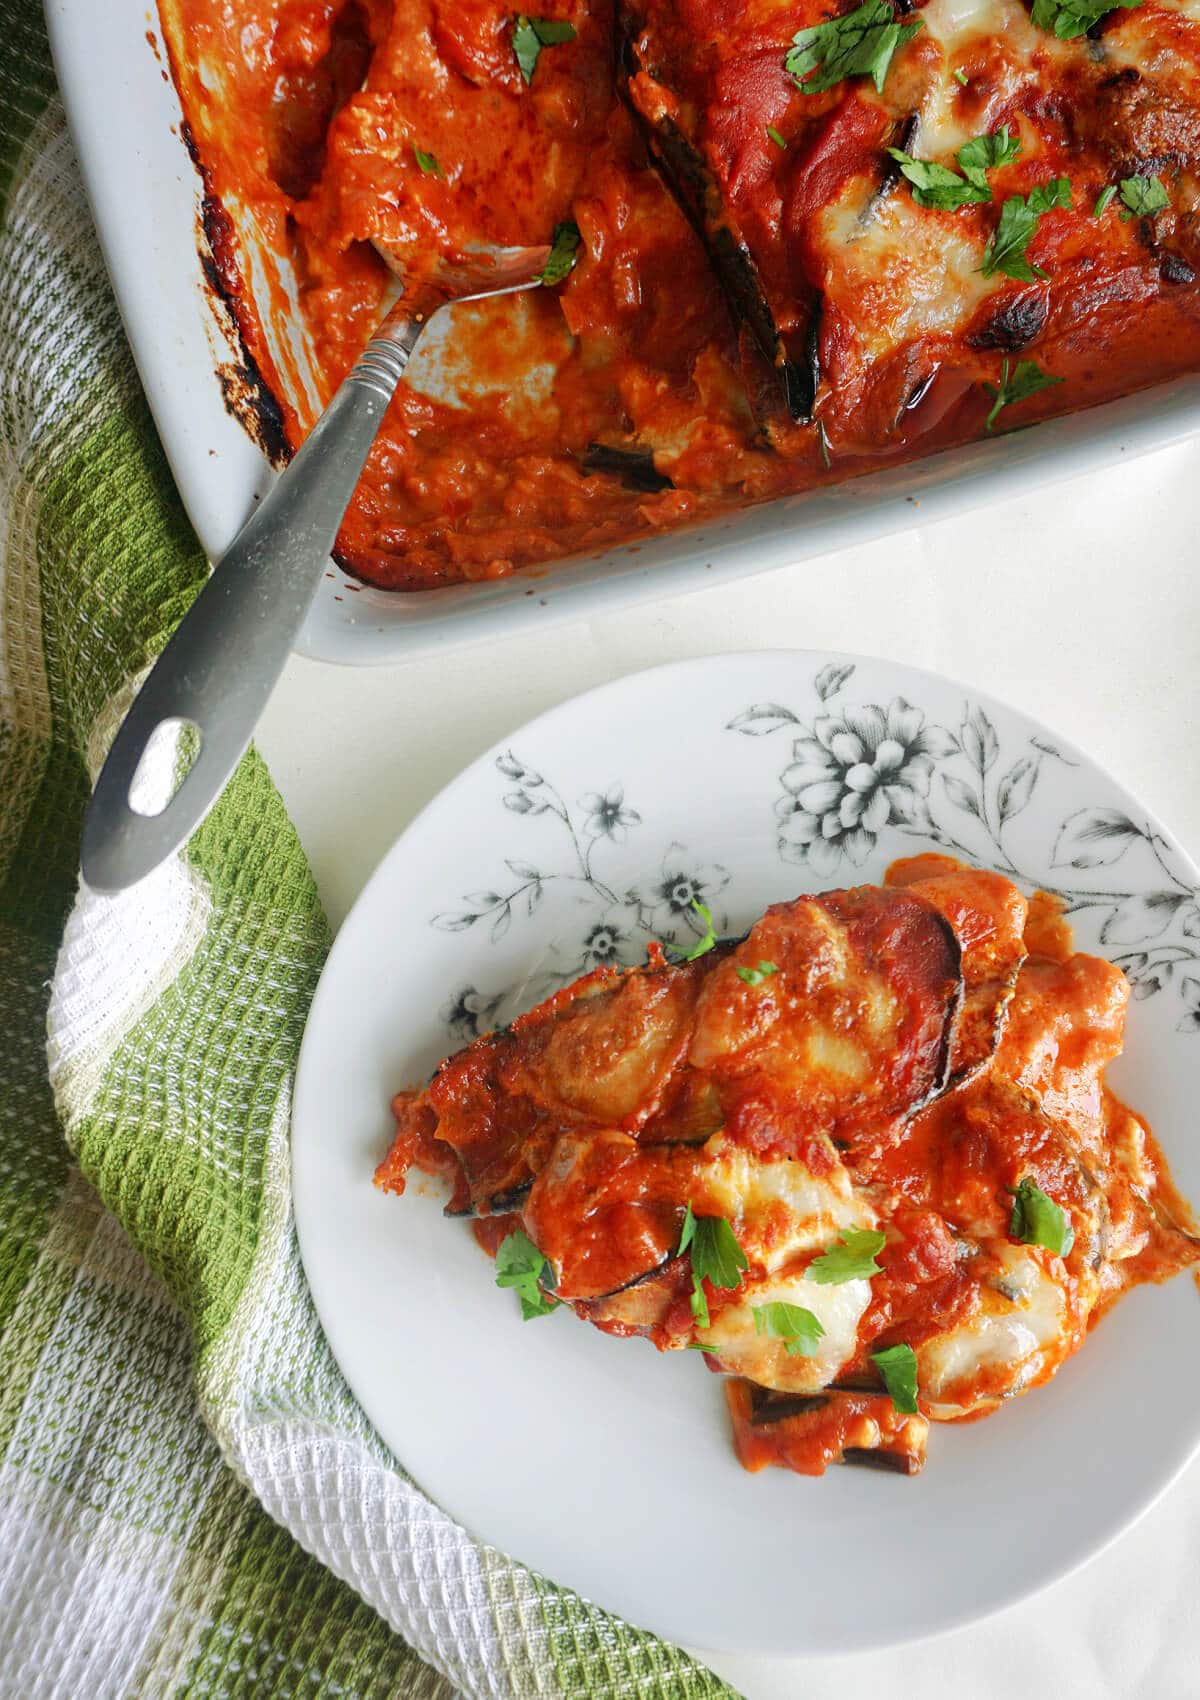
pixel 564 251
pixel 988 153
pixel 1069 18
pixel 1027 380
pixel 1104 200
pixel 530 35
pixel 898 1367
pixel 756 976
pixel 779 140
pixel 710 936
pixel 427 162
pixel 860 44
pixel 798 1328
pixel 851 1259
pixel 960 76
pixel 520 1264
pixel 716 1256
pixel 1037 1220
pixel 1143 196
pixel 1019 218
pixel 938 186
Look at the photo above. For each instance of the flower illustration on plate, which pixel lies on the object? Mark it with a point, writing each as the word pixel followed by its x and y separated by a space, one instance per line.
pixel 854 774
pixel 670 902
pixel 1189 990
pixel 602 944
pixel 607 816
pixel 468 1012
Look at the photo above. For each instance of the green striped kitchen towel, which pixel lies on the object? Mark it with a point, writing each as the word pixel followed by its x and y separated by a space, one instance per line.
pixel 191 1503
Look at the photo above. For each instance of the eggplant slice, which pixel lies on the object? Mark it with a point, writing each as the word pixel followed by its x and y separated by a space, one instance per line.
pixel 634 468
pixel 808 1432
pixel 793 359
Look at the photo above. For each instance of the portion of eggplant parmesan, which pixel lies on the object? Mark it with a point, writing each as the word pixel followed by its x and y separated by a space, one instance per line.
pixel 709 105
pixel 862 1159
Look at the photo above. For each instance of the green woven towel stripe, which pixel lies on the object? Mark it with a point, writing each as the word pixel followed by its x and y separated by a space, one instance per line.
pixel 178 1111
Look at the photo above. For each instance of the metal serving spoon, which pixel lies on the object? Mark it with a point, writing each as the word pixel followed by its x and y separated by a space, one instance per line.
pixel 222 663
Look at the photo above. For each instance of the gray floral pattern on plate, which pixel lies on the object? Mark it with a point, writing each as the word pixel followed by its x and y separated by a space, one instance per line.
pixel 860 769
pixel 616 919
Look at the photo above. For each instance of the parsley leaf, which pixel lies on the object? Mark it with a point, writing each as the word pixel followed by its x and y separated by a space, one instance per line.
pixel 960 76
pixel 1069 18
pixel 427 162
pixel 1027 380
pixel 938 186
pixel 1019 218
pixel 851 1259
pixel 530 35
pixel 898 1367
pixel 798 1328
pixel 988 153
pixel 779 141
pixel 520 1264
pixel 756 976
pixel 860 44
pixel 710 937
pixel 1037 1220
pixel 564 252
pixel 1143 196
pixel 716 1255
pixel 1104 200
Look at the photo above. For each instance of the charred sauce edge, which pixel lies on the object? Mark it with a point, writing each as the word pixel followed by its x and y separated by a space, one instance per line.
pixel 247 395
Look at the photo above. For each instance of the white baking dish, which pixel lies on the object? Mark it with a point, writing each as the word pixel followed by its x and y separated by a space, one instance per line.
pixel 145 194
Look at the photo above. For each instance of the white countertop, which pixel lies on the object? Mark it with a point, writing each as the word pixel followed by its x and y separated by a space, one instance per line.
pixel 1080 604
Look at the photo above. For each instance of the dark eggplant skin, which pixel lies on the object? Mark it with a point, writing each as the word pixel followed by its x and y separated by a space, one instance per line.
pixel 878 1458
pixel 691 183
pixel 500 1204
pixel 634 467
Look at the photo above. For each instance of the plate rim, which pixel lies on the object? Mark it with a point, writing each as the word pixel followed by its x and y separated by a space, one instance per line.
pixel 966 1616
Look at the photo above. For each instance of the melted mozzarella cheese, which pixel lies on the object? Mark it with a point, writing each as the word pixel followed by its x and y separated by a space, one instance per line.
pixel 742 1350
pixel 908 274
pixel 1003 1345
pixel 780 1207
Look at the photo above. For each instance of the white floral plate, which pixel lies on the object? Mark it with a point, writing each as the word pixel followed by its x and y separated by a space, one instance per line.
pixel 741 780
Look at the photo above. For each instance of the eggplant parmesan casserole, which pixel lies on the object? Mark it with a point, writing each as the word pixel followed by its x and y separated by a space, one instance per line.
pixel 794 240
pixel 864 1160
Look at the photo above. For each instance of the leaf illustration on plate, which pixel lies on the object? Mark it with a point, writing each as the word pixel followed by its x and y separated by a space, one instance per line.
pixel 1016 787
pixel 522 870
pixel 831 678
pixel 501 924
pixel 962 795
pixel 1141 917
pixel 483 899
pixel 762 718
pixel 980 744
pixel 1093 838
pixel 1190 919
pixel 509 766
pixel 1189 990
pixel 1049 749
pixel 453 923
pixel 522 804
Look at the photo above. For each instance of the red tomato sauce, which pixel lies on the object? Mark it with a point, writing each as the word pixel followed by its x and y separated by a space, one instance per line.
pixel 307 118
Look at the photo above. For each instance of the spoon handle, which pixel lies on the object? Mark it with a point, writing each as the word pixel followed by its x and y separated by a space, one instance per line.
pixel 221 665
